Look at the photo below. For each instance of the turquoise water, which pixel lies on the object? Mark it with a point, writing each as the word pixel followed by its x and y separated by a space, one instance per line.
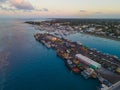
pixel 102 44
pixel 26 64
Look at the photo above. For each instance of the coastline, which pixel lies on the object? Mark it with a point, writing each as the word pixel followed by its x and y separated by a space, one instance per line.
pixel 88 33
pixel 101 36
pixel 47 44
pixel 51 41
pixel 32 65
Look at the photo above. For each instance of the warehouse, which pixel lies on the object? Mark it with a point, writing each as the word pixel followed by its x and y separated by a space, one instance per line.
pixel 88 61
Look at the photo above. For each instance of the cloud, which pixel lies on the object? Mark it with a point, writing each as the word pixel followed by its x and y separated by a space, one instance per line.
pixel 2 0
pixel 82 11
pixel 42 10
pixel 45 9
pixel 21 4
pixel 16 4
pixel 3 8
pixel 98 13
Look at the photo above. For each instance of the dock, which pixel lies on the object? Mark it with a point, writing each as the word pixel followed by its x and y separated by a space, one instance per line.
pixel 82 60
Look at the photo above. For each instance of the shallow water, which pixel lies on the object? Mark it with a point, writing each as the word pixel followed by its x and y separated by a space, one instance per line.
pixel 102 44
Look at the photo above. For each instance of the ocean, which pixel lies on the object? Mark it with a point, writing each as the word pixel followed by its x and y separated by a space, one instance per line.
pixel 25 64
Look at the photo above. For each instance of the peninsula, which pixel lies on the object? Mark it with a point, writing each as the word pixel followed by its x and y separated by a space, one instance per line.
pixel 80 59
pixel 84 61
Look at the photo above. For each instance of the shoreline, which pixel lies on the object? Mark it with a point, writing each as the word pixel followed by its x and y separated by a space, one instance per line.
pixel 51 41
pixel 100 36
pixel 93 34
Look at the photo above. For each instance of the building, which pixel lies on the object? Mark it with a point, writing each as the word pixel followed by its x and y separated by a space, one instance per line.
pixel 88 61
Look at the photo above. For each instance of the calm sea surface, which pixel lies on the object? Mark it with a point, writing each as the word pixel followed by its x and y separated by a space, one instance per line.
pixel 104 45
pixel 26 64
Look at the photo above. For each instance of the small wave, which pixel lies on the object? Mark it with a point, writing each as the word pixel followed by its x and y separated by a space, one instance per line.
pixel 4 55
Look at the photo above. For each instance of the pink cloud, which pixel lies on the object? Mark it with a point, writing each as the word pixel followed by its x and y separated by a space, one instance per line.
pixel 21 4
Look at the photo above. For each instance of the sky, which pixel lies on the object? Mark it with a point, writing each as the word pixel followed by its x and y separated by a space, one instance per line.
pixel 60 8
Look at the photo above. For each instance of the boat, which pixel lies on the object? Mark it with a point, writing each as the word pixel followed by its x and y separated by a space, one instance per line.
pixel 76 62
pixel 76 70
pixel 103 87
pixel 85 75
pixel 47 45
pixel 72 66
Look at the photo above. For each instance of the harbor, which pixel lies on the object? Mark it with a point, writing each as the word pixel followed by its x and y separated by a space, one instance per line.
pixel 32 65
pixel 59 45
pixel 84 61
pixel 28 65
pixel 72 32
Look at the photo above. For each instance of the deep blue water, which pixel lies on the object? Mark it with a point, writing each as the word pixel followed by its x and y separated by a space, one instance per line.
pixel 28 65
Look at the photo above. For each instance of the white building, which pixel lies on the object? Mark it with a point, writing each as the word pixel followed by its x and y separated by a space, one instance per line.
pixel 88 61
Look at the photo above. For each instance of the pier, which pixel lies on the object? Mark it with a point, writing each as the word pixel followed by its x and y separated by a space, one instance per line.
pixel 87 62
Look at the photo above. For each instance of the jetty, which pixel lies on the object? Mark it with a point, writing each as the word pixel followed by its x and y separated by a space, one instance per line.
pixel 84 61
